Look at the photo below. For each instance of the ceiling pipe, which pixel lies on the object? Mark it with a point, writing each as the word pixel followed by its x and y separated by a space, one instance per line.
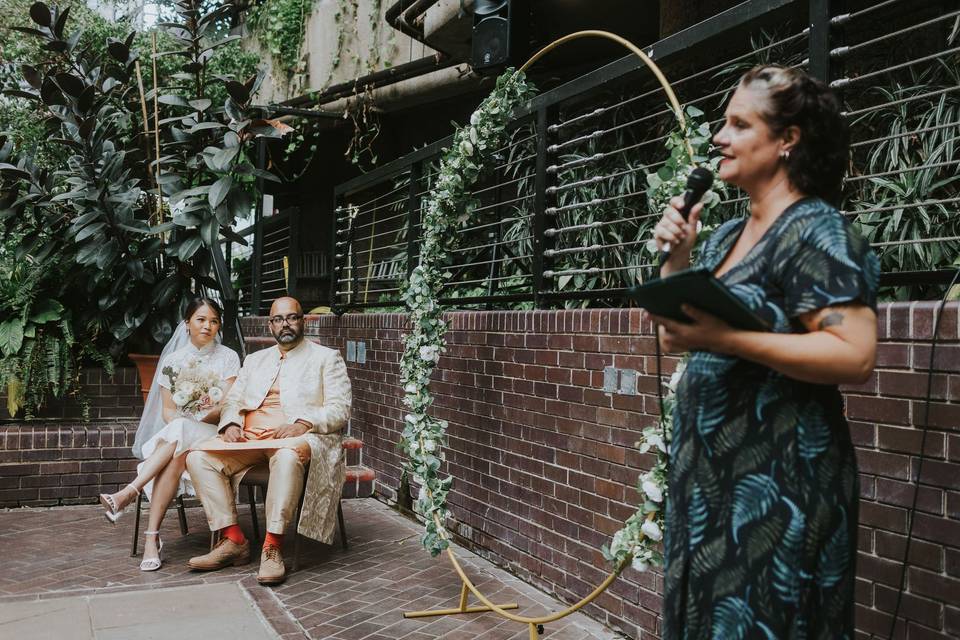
pixel 404 20
pixel 399 18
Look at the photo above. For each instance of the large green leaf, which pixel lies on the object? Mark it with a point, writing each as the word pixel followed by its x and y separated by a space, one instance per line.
pixel 45 311
pixel 11 336
pixel 209 231
pixel 219 191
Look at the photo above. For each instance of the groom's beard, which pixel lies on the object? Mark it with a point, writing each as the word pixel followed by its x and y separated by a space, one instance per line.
pixel 286 336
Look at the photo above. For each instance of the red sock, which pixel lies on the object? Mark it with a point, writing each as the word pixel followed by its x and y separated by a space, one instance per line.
pixel 234 533
pixel 273 540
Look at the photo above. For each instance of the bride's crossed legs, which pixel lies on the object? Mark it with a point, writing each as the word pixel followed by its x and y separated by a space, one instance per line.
pixel 165 469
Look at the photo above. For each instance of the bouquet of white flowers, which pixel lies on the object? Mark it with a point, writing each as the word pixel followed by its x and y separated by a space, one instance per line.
pixel 194 387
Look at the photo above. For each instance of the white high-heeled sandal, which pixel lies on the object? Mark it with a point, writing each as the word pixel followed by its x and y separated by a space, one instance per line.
pixel 111 512
pixel 152 564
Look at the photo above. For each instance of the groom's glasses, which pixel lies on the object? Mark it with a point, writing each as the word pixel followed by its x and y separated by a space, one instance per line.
pixel 291 319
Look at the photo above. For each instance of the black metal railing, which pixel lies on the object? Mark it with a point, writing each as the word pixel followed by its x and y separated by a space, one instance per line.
pixel 562 218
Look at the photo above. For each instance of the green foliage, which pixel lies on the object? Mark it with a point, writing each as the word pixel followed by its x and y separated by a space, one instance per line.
pixel 915 197
pixel 279 25
pixel 129 252
pixel 449 202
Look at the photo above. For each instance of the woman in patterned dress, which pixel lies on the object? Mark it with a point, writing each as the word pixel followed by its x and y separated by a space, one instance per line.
pixel 166 435
pixel 761 518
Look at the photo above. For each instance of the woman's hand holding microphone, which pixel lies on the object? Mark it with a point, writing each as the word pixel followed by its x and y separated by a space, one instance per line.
pixel 676 235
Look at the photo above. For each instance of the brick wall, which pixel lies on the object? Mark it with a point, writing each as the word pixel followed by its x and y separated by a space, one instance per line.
pixel 108 397
pixel 46 464
pixel 545 465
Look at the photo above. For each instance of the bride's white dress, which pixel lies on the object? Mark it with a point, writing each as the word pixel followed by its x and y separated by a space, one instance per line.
pixel 186 430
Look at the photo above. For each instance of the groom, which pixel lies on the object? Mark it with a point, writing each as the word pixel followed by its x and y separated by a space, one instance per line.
pixel 286 409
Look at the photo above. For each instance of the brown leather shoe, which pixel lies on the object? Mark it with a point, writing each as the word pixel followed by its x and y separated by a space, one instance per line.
pixel 272 569
pixel 226 553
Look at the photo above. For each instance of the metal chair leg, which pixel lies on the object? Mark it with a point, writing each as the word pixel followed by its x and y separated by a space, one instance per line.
pixel 253 513
pixel 181 512
pixel 136 527
pixel 343 528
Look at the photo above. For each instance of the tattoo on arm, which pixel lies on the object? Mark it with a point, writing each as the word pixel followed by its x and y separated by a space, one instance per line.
pixel 831 319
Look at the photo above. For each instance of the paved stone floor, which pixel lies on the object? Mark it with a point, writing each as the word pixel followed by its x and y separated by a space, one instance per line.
pixel 49 555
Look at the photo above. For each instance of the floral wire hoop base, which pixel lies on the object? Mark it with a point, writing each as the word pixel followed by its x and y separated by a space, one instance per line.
pixel 449 204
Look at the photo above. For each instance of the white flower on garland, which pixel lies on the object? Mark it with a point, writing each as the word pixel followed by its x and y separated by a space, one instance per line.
pixel 652 490
pixel 652 530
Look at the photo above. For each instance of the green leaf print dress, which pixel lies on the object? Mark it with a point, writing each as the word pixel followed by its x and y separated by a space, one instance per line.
pixel 762 511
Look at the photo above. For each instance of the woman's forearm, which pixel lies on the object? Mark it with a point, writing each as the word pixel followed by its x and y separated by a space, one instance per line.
pixel 819 357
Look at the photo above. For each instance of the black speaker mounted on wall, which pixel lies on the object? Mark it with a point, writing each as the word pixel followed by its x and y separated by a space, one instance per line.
pixel 500 34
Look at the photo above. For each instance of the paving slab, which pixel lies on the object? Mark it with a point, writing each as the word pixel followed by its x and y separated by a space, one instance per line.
pixel 198 612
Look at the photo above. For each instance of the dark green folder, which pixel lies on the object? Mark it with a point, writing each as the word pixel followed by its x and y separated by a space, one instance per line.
pixel 698 288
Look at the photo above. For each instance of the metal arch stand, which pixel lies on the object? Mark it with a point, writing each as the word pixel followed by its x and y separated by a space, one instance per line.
pixel 535 625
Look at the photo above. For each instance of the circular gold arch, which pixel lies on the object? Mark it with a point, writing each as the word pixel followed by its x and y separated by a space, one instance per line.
pixel 535 622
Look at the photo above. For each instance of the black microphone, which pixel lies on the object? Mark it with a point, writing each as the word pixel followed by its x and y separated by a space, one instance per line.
pixel 698 182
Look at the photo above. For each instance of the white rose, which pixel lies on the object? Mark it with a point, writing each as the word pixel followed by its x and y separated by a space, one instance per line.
pixel 653 491
pixel 216 394
pixel 429 446
pixel 656 440
pixel 651 530
pixel 180 398
pixel 410 388
pixel 428 353
pixel 186 388
pixel 639 564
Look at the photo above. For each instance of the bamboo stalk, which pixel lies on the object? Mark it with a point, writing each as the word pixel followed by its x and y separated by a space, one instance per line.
pixel 156 128
pixel 143 107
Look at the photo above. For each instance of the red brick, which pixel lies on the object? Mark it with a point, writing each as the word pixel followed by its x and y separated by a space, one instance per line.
pixel 885 410
pixel 890 465
pixel 912 607
pixel 893 355
pixel 912 385
pixel 946 357
pixel 945 416
pixel 893 492
pixel 943 588
pixel 908 440
pixel 883 516
pixel 892 546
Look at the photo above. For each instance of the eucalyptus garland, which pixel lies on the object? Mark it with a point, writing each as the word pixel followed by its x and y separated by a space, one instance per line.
pixel 450 203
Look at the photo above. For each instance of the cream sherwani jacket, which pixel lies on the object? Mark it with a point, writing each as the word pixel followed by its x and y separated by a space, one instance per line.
pixel 313 387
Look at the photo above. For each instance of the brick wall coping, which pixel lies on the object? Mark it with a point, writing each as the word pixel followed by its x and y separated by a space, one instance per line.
pixel 897 320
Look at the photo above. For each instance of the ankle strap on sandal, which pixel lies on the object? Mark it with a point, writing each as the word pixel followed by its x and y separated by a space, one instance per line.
pixel 151 533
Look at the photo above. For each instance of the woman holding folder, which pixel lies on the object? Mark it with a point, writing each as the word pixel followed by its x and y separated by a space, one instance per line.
pixel 762 510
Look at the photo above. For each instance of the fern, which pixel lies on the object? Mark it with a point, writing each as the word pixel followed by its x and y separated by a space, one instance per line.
pixel 752 498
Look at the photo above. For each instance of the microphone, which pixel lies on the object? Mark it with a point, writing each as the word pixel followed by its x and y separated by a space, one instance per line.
pixel 698 182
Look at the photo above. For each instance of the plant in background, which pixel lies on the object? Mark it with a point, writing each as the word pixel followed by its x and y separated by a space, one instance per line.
pixel 127 267
pixel 280 27
pixel 916 197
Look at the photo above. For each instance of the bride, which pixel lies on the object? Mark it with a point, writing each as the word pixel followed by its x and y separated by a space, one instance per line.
pixel 166 434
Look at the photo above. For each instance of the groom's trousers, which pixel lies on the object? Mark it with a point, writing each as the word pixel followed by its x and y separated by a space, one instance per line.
pixel 212 471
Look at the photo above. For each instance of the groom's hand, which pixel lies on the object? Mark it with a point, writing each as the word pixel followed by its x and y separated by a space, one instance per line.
pixel 290 430
pixel 233 433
